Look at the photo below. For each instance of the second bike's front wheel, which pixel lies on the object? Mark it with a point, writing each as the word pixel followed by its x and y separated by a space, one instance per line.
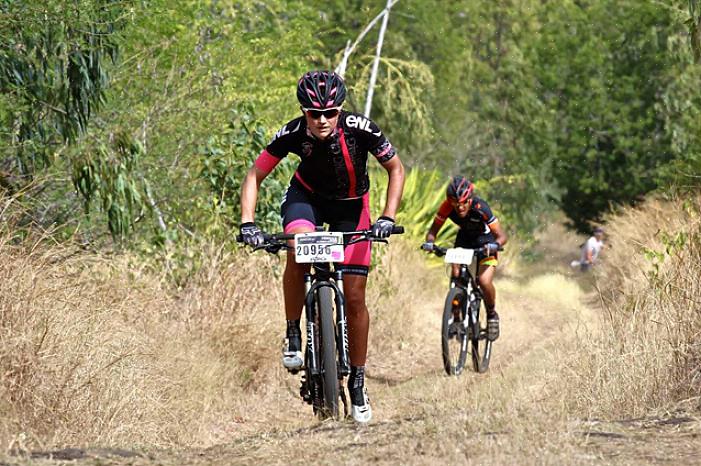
pixel 453 332
pixel 480 345
pixel 328 353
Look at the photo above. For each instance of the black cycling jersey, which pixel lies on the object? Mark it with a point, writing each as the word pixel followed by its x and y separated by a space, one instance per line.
pixel 335 168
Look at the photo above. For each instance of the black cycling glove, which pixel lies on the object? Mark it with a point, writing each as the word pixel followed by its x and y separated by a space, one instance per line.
pixel 251 234
pixel 382 228
pixel 491 248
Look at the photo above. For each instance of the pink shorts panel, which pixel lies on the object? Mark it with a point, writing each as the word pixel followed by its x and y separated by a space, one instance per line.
pixel 302 222
pixel 359 253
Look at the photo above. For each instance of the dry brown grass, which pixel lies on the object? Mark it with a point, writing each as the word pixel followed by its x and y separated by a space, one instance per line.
pixel 396 290
pixel 647 356
pixel 95 351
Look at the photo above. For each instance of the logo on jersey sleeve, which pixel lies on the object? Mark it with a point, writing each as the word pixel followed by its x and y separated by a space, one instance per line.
pixel 356 121
pixel 284 131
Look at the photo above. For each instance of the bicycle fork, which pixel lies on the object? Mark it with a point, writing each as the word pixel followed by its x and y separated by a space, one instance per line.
pixel 341 324
pixel 471 303
pixel 341 327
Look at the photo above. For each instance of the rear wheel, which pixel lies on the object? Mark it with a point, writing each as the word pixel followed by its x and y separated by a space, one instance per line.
pixel 480 345
pixel 453 333
pixel 328 352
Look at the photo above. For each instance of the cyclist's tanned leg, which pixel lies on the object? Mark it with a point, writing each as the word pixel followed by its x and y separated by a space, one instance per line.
pixel 299 216
pixel 293 290
pixel 486 276
pixel 293 287
pixel 358 317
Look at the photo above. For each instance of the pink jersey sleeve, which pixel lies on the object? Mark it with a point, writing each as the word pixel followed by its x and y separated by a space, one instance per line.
pixel 266 161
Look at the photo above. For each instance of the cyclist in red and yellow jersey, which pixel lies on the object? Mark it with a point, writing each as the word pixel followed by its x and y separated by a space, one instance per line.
pixel 479 229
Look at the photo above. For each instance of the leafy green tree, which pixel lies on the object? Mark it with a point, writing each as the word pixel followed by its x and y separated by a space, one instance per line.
pixel 54 67
pixel 601 66
pixel 227 156
pixel 694 24
pixel 584 103
pixel 681 102
pixel 186 69
pixel 108 176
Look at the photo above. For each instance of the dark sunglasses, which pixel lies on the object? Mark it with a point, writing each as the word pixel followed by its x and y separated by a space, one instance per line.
pixel 455 202
pixel 328 113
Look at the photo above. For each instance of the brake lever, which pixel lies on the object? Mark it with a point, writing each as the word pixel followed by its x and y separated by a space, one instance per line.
pixel 274 248
pixel 356 240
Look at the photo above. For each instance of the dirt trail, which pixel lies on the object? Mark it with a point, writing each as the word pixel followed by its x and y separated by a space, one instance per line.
pixel 422 416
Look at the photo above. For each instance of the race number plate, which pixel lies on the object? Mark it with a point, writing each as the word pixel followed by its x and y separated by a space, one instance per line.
pixel 320 246
pixel 459 256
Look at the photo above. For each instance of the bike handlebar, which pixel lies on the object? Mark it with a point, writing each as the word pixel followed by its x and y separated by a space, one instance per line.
pixel 440 251
pixel 280 239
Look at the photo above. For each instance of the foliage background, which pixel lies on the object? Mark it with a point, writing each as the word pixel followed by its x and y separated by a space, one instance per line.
pixel 131 123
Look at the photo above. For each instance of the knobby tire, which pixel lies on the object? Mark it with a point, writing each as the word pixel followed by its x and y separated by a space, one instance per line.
pixel 328 352
pixel 480 346
pixel 453 357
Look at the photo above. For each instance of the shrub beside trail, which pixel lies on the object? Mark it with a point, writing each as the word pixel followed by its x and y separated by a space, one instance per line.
pixel 648 354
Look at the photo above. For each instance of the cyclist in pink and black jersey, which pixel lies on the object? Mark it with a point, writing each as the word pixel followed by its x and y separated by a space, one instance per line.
pixel 331 186
pixel 479 229
pixel 334 167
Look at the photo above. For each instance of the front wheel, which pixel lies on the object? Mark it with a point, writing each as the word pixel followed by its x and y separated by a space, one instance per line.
pixel 480 345
pixel 453 332
pixel 328 353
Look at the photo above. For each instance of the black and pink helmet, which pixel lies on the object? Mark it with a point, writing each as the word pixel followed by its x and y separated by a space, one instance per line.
pixel 321 89
pixel 460 189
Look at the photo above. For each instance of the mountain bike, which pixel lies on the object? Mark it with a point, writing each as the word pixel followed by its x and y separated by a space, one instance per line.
pixel 326 359
pixel 464 327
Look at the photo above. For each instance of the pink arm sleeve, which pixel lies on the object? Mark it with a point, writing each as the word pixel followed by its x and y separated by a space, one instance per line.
pixel 266 161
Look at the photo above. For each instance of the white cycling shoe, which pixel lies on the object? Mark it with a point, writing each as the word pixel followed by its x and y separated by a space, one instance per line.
pixel 292 360
pixel 363 413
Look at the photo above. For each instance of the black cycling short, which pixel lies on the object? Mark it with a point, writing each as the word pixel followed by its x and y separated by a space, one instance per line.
pixel 301 208
pixel 469 242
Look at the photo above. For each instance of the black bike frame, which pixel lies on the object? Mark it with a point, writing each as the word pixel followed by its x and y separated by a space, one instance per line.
pixel 467 282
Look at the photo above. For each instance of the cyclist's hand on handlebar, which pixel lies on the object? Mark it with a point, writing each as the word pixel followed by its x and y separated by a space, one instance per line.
pixel 428 246
pixel 491 248
pixel 251 234
pixel 382 228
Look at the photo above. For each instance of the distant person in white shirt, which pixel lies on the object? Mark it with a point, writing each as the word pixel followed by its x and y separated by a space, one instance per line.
pixel 591 249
